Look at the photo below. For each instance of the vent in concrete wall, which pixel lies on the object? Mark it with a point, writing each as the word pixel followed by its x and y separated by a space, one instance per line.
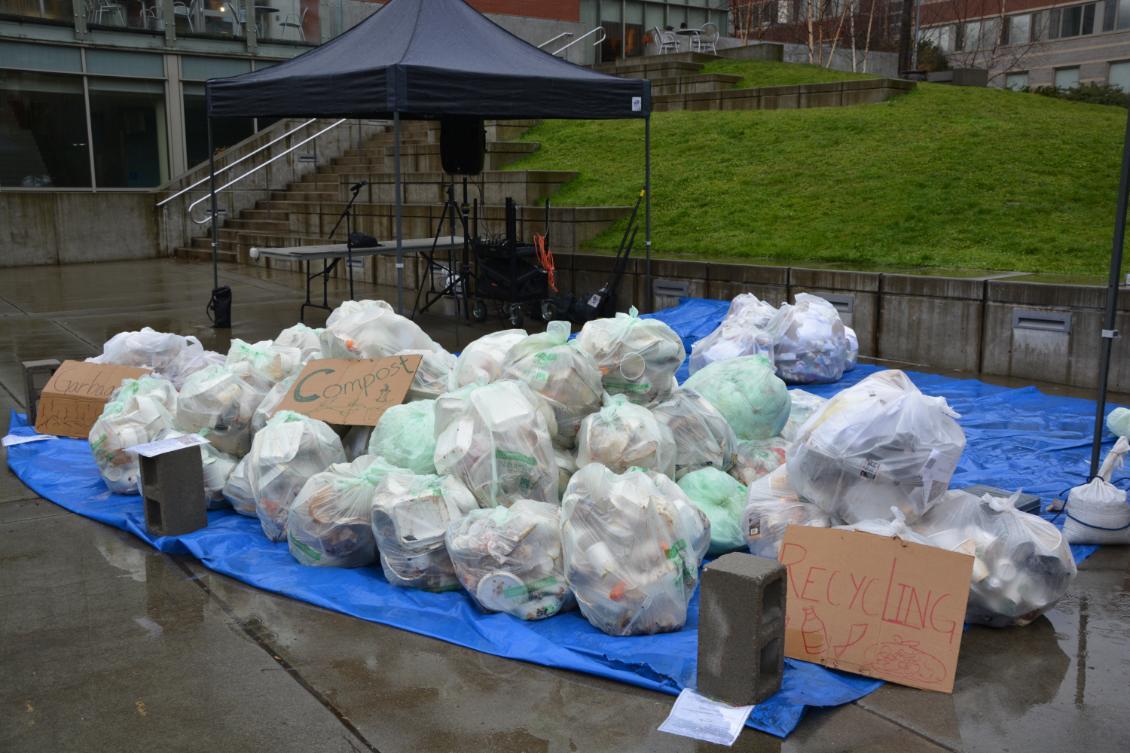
pixel 668 292
pixel 1042 321
pixel 844 303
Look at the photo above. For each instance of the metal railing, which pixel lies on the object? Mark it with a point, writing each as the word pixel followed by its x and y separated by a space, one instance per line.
pixel 551 40
pixel 598 30
pixel 253 170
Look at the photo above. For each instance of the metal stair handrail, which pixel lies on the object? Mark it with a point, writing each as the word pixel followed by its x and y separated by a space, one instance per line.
pixel 589 33
pixel 551 40
pixel 254 170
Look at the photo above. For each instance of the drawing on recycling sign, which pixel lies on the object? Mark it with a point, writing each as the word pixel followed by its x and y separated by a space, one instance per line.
pixel 351 393
pixel 875 605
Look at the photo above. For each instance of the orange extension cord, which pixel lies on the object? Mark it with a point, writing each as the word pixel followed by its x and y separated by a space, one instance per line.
pixel 545 259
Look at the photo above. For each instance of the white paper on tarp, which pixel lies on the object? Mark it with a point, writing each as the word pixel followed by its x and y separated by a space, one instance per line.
pixel 698 717
pixel 161 446
pixel 14 439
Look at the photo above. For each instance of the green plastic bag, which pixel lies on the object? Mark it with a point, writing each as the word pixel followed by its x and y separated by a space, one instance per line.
pixel 405 436
pixel 753 400
pixel 722 498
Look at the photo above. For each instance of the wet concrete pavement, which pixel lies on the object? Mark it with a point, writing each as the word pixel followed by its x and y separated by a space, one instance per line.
pixel 108 645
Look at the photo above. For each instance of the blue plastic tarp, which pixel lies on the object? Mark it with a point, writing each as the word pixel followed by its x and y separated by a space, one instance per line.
pixel 1016 437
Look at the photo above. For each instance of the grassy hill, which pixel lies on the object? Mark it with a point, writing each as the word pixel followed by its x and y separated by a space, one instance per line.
pixel 944 177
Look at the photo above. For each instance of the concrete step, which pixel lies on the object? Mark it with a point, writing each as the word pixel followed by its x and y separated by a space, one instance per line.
pixel 258 225
pixel 835 94
pixel 696 84
pixel 655 67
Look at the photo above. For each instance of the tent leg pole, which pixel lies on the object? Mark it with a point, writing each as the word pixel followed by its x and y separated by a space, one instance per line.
pixel 212 193
pixel 649 295
pixel 1108 333
pixel 399 216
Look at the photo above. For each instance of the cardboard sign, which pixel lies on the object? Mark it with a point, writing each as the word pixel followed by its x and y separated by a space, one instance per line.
pixel 73 400
pixel 351 393
pixel 875 605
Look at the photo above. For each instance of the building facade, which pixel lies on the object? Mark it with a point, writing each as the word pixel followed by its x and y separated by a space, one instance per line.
pixel 109 94
pixel 1034 43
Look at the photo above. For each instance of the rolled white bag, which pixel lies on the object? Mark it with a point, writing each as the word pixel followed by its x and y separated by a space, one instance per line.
pixel 1098 512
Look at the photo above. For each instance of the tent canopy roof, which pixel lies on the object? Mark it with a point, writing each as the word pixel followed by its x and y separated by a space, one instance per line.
pixel 428 59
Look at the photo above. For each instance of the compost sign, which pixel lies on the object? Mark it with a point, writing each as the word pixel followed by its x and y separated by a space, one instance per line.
pixel 351 393
pixel 875 605
pixel 76 394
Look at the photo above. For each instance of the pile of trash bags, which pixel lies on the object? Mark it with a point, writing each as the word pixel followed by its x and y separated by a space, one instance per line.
pixel 806 342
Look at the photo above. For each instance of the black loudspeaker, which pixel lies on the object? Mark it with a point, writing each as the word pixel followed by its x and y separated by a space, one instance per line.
pixel 462 145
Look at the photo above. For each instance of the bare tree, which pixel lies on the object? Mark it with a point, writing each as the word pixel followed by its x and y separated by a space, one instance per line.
pixel 982 29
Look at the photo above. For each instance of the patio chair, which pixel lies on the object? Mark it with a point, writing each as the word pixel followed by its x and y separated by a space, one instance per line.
pixel 187 11
pixel 706 40
pixel 101 9
pixel 665 41
pixel 296 22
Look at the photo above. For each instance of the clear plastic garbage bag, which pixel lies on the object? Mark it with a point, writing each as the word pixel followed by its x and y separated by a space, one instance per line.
pixel 238 492
pixel 289 450
pixel 703 438
pixel 565 376
pixel 893 526
pixel 876 445
pixel 747 393
pixel 632 544
pixel 481 361
pixel 146 348
pixel 1097 512
pixel 137 412
pixel 802 406
pixel 270 402
pixel 405 436
pixel 624 435
pixel 852 349
pixel 410 517
pixel 263 364
pixel 636 357
pixel 1022 563
pixel 371 329
pixel 433 374
pixel 722 498
pixel 509 559
pixel 809 342
pixel 330 521
pixel 742 332
pixel 756 458
pixel 219 405
pixel 497 443
pixel 772 505
pixel 1118 422
pixel 566 466
pixel 306 339
pixel 354 440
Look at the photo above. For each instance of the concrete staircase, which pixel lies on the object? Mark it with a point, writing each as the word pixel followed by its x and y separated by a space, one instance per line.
pixel 305 211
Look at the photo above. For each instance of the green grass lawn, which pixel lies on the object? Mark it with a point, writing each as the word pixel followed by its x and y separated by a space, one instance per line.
pixel 756 73
pixel 944 177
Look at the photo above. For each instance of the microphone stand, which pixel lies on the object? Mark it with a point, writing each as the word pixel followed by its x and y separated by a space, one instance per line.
pixel 347 215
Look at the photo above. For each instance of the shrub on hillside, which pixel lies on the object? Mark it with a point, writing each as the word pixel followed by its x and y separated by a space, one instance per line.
pixel 1092 93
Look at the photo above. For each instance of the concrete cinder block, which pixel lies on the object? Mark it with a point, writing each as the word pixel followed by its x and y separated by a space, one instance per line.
pixel 172 486
pixel 36 376
pixel 741 629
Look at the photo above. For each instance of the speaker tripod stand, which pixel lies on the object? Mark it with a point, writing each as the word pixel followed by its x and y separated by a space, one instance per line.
pixel 457 272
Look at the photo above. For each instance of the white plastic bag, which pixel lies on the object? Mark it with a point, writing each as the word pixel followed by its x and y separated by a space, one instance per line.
pixel 289 450
pixel 354 440
pixel 624 435
pixel 636 357
pixel 1118 422
pixel 509 559
pixel 405 436
pixel 893 526
pixel 565 376
pixel 877 445
pixel 371 329
pixel 852 349
pixel 306 339
pixel 722 499
pixel 263 364
pixel 747 393
pixel 497 443
pixel 703 438
pixel 481 361
pixel 191 360
pixel 809 342
pixel 772 505
pixel 802 406
pixel 237 490
pixel 137 412
pixel 433 374
pixel 756 458
pixel 329 524
pixel 566 467
pixel 742 332
pixel 270 402
pixel 147 348
pixel 410 517
pixel 217 404
pixel 632 545
pixel 1022 563
pixel 1097 512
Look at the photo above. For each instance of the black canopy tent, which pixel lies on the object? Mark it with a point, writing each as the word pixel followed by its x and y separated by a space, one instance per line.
pixel 428 59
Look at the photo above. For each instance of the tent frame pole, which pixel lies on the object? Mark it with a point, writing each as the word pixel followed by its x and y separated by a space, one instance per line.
pixel 399 215
pixel 212 194
pixel 649 295
pixel 1109 333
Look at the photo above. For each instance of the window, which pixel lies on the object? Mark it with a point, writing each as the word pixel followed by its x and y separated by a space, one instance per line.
pixel 1119 75
pixel 1020 29
pixel 1066 78
pixel 43 131
pixel 127 120
pixel 1123 13
pixel 1071 22
pixel 225 131
pixel 940 36
pixel 1016 81
pixel 981 35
